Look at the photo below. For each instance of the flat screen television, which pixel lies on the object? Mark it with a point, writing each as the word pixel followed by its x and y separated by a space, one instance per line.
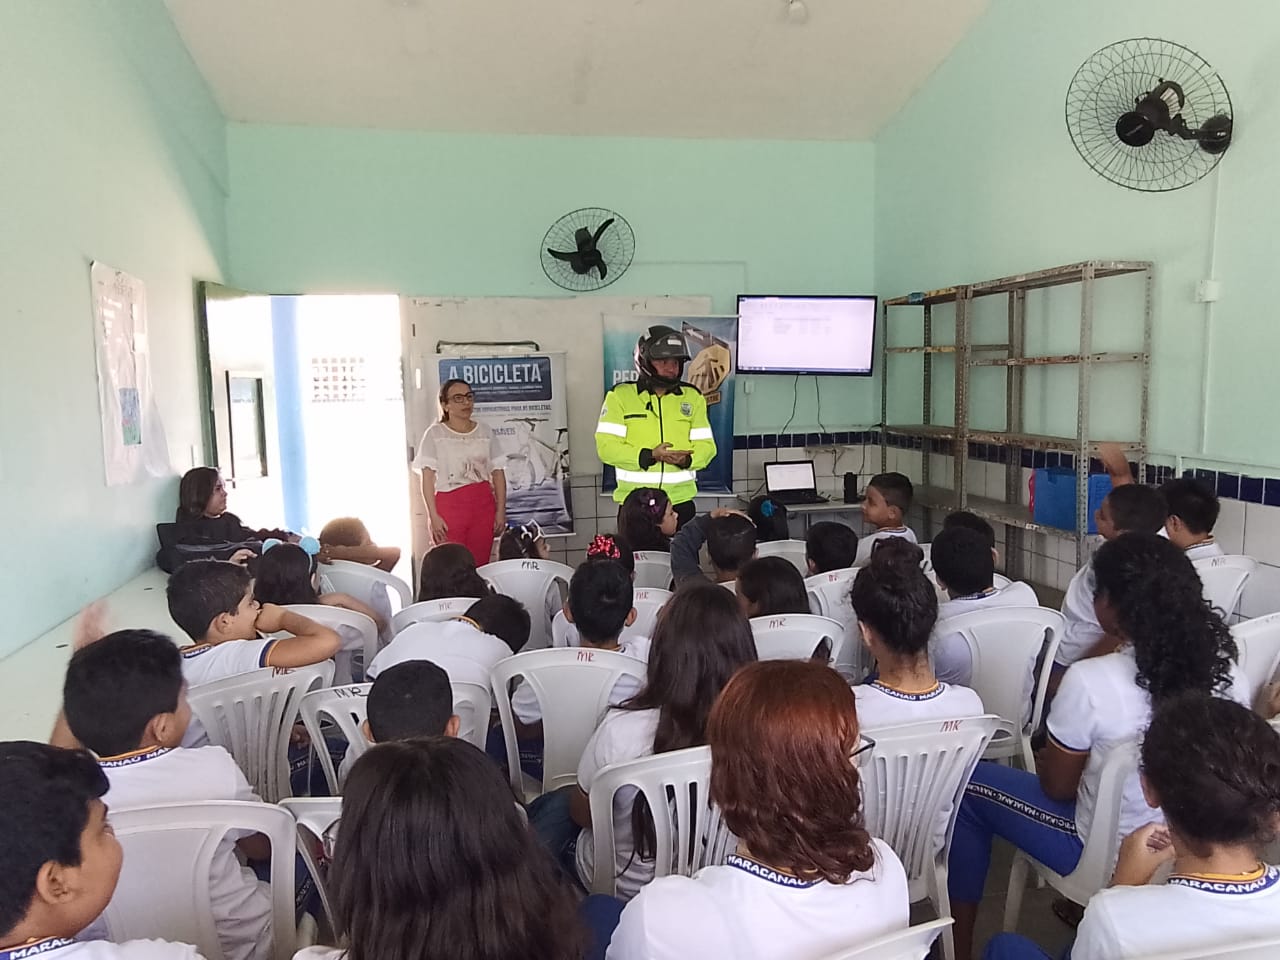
pixel 813 335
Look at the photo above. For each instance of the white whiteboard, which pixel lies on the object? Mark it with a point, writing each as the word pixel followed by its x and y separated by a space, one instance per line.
pixel 571 325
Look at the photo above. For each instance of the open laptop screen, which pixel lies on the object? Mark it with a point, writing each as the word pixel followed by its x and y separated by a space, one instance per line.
pixel 786 477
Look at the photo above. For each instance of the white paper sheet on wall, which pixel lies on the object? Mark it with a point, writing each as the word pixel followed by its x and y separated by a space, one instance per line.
pixel 133 440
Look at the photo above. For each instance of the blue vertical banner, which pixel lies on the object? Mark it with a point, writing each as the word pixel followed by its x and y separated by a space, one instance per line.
pixel 713 345
pixel 522 399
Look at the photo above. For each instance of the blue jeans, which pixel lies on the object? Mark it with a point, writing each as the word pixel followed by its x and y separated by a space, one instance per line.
pixel 1014 946
pixel 1001 801
pixel 600 914
pixel 554 826
pixel 530 751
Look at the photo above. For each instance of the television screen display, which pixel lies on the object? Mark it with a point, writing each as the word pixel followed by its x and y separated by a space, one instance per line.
pixel 819 335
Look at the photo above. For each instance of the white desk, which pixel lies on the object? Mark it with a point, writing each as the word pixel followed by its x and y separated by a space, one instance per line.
pixel 31 677
pixel 833 509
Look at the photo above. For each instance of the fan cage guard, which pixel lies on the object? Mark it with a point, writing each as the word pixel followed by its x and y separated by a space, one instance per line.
pixel 617 245
pixel 1108 84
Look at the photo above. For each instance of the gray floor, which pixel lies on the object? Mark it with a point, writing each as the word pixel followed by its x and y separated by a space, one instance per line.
pixel 1035 921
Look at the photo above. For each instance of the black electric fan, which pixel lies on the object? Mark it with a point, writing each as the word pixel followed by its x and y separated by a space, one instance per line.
pixel 1149 114
pixel 587 249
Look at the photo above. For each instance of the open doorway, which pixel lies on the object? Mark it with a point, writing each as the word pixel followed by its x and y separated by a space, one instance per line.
pixel 306 410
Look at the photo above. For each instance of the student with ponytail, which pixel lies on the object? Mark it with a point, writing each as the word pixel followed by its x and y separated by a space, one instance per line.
pixel 647 520
pixel 1213 768
pixel 1171 643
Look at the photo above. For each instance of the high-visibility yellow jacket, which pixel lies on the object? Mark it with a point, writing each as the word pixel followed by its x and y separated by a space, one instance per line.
pixel 633 422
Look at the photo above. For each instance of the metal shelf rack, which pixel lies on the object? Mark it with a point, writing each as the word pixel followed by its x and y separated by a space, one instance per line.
pixel 1013 358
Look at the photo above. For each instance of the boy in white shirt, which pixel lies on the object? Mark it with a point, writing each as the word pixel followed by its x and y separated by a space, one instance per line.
pixel 59 859
pixel 125 699
pixel 1213 767
pixel 1128 508
pixel 829 546
pixel 896 607
pixel 212 601
pixel 600 606
pixel 408 700
pixel 467 647
pixel 888 498
pixel 1193 510
pixel 964 565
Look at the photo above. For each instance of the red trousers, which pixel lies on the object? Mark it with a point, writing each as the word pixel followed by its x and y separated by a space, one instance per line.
pixel 469 513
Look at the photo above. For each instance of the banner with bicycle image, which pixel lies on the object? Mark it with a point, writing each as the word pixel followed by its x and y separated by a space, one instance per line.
pixel 523 400
pixel 713 347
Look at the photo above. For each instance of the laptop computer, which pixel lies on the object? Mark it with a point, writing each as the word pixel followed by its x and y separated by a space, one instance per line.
pixel 792 482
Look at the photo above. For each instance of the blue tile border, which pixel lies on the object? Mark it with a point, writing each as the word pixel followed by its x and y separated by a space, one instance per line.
pixel 1228 485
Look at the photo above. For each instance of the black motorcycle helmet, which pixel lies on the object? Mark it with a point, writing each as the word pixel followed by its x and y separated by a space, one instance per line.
pixel 660 343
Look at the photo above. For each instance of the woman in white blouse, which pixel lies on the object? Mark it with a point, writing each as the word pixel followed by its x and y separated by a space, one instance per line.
pixel 463 482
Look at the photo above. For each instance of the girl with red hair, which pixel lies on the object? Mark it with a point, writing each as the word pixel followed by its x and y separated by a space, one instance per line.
pixel 807 879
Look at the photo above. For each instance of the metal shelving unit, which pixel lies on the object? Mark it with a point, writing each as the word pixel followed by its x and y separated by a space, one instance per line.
pixel 1012 356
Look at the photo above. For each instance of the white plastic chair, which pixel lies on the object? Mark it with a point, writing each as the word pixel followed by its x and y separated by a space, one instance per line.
pixel 1004 644
pixel 648 603
pixel 252 715
pixel 163 891
pixel 912 783
pixel 795 636
pixel 573 687
pixel 1250 950
pixel 793 551
pixel 359 635
pixel 653 569
pixel 532 582
pixel 829 597
pixel 912 943
pixel 999 581
pixel 431 611
pixel 358 579
pixel 314 816
pixel 347 708
pixel 685 823
pixel 1224 580
pixel 1100 848
pixel 1258 641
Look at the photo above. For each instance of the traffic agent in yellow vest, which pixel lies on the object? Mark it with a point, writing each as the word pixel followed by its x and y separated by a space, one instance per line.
pixel 655 432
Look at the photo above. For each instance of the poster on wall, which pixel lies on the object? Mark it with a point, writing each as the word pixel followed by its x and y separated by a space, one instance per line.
pixel 713 346
pixel 523 401
pixel 133 441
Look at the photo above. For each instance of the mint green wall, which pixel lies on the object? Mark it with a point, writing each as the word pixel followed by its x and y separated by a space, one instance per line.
pixel 977 178
pixel 317 211
pixel 113 150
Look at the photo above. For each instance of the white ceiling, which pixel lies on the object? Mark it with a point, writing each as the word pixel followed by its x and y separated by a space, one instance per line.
pixel 678 68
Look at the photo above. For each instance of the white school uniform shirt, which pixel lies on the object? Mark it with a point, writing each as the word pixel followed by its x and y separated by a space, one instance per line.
pixel 459 459
pixel 867 543
pixel 879 705
pixel 1184 914
pixel 241 903
pixel 1204 551
pixel 747 911
pixel 53 948
pixel 524 703
pixel 1082 629
pixel 208 662
pixel 1098 705
pixel 950 654
pixel 622 735
pixel 459 647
